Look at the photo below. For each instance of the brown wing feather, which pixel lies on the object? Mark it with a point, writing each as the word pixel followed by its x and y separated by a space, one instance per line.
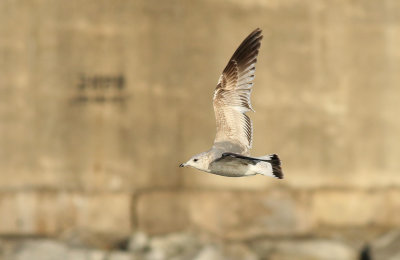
pixel 232 94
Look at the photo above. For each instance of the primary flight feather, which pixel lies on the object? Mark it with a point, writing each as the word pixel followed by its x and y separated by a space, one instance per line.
pixel 229 155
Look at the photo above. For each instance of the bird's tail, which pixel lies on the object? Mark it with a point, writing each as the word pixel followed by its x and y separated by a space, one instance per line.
pixel 270 165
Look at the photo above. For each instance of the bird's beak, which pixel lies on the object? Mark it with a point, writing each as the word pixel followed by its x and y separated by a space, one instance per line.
pixel 182 165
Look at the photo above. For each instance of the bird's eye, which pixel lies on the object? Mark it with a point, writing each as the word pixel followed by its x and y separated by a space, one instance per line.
pixel 195 160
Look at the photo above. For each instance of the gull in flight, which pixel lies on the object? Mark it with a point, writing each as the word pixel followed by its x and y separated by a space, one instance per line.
pixel 230 154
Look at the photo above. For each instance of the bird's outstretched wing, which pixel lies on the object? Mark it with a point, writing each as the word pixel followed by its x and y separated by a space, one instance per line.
pixel 232 96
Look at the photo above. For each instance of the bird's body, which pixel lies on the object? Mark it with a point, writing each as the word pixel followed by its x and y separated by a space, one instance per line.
pixel 229 156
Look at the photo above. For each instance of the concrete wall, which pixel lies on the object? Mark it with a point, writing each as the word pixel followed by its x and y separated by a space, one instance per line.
pixel 101 100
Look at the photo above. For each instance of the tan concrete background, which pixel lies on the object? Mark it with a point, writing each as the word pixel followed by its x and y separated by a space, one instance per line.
pixel 100 101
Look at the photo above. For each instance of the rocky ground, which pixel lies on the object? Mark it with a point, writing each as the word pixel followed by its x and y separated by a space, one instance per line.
pixel 182 246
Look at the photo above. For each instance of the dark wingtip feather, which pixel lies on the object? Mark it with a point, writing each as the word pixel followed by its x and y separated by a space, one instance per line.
pixel 256 31
pixel 245 50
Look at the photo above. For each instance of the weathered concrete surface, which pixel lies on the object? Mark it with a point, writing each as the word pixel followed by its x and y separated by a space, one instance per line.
pixel 183 246
pixel 350 208
pixel 317 249
pixel 52 213
pixel 162 212
pixel 243 215
pixel 232 215
pixel 356 208
pixel 325 94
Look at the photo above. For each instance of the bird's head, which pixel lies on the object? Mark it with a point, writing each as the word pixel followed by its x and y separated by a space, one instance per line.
pixel 199 161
